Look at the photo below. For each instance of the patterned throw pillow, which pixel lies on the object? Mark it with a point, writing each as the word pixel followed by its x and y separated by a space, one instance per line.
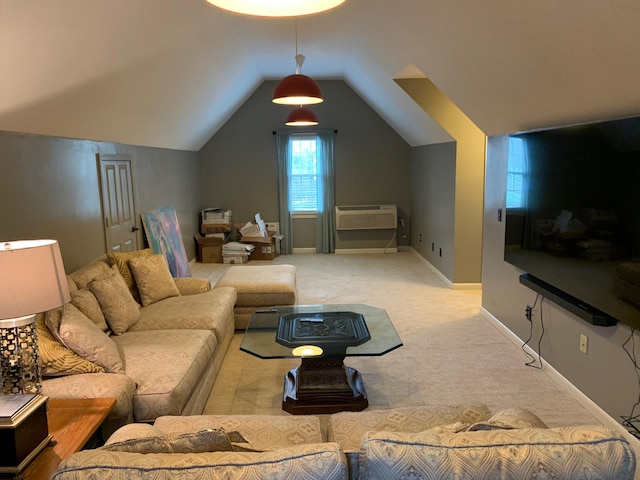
pixel 212 440
pixel 118 306
pixel 509 418
pixel 121 260
pixel 153 278
pixel 82 336
pixel 58 360
pixel 88 304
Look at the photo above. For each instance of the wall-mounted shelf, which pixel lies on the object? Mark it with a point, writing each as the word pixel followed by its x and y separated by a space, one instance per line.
pixel 568 302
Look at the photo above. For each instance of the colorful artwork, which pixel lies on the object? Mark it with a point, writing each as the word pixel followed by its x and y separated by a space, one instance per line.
pixel 163 234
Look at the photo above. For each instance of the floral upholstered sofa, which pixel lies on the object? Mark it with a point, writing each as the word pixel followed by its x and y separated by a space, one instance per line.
pixel 425 442
pixel 133 332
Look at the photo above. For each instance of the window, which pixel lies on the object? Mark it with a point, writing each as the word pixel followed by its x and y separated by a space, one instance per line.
pixel 303 178
pixel 516 173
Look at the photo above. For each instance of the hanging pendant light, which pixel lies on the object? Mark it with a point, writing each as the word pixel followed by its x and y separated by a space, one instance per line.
pixel 297 89
pixel 276 8
pixel 301 117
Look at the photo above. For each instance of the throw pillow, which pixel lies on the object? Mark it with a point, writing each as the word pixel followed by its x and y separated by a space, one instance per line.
pixel 56 359
pixel 121 260
pixel 212 440
pixel 82 336
pixel 88 304
pixel 133 431
pixel 153 278
pixel 118 306
pixel 509 418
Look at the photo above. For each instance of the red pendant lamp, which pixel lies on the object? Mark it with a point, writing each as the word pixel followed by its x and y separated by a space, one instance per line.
pixel 301 117
pixel 297 89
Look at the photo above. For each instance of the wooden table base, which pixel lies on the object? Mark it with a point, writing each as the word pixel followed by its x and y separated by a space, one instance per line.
pixel 323 385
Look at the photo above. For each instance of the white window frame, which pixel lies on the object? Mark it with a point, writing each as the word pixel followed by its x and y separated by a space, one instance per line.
pixel 309 136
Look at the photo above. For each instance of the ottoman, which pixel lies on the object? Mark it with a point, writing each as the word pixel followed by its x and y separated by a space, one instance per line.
pixel 260 286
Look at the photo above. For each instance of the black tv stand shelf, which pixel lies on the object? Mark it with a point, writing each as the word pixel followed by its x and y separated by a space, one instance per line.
pixel 568 302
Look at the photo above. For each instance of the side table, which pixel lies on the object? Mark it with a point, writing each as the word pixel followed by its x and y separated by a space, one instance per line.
pixel 72 424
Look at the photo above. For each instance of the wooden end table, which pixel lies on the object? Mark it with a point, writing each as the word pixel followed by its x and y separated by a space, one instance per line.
pixel 72 424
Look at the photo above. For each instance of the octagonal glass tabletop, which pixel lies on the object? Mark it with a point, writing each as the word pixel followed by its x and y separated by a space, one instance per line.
pixel 338 330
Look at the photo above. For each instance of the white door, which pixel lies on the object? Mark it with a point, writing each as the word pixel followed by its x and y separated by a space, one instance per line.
pixel 118 205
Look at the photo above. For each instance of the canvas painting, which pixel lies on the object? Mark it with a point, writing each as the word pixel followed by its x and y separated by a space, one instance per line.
pixel 163 234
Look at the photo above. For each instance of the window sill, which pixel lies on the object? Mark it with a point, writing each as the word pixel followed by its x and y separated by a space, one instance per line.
pixel 297 215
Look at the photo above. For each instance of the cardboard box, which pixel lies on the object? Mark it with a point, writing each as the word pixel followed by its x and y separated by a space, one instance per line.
pixel 263 251
pixel 208 228
pixel 209 249
pixel 235 259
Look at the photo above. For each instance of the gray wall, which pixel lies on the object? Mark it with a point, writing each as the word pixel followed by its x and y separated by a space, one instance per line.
pixel 605 374
pixel 49 189
pixel 238 165
pixel 433 194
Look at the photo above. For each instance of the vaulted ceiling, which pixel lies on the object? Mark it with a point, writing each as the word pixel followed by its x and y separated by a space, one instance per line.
pixel 169 73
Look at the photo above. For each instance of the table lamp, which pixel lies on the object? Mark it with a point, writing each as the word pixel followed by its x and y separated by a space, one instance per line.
pixel 32 280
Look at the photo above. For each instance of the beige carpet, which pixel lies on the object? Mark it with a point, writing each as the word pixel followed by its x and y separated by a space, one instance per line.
pixel 451 354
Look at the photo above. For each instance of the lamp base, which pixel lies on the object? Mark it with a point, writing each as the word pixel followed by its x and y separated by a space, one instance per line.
pixel 24 430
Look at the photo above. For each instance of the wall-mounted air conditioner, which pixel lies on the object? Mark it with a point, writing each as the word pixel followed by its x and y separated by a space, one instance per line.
pixel 366 217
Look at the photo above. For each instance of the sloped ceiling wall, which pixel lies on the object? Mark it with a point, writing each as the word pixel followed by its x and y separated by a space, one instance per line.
pixel 169 73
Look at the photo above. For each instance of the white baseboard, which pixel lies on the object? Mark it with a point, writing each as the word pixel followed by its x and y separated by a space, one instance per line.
pixel 343 251
pixel 589 405
pixel 445 280
pixel 304 250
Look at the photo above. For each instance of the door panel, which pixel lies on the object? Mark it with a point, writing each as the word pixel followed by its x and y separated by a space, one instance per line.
pixel 118 205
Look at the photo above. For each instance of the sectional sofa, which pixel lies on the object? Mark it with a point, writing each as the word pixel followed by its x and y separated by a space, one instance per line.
pixel 134 333
pixel 425 442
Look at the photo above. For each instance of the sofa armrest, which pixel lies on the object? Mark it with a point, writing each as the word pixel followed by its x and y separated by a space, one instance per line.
pixel 192 285
pixel 97 385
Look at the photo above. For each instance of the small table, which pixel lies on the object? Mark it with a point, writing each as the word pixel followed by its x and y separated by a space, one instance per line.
pixel 322 383
pixel 72 424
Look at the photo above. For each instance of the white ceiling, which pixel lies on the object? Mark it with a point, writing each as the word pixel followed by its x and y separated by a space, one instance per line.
pixel 169 73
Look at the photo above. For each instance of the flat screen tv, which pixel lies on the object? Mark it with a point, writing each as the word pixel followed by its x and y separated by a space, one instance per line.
pixel 573 216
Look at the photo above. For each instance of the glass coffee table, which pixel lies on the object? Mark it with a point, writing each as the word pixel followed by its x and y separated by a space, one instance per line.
pixel 322 336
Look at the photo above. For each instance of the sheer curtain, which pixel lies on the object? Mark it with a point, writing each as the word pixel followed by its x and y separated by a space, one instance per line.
pixel 283 146
pixel 325 239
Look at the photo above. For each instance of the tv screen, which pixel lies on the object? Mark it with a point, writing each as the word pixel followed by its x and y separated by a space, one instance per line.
pixel 573 212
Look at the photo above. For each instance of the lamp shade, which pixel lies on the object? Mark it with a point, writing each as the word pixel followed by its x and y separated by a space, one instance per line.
pixel 32 278
pixel 301 117
pixel 276 8
pixel 297 89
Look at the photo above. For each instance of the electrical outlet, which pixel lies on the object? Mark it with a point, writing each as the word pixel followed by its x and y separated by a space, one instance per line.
pixel 583 343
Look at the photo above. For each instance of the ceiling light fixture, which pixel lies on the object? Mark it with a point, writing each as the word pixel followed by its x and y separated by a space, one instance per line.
pixel 301 117
pixel 297 89
pixel 276 8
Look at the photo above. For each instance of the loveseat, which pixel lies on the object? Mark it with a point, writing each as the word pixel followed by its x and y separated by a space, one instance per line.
pixel 426 442
pixel 134 333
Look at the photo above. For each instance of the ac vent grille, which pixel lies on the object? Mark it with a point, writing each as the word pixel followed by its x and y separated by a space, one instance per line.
pixel 366 217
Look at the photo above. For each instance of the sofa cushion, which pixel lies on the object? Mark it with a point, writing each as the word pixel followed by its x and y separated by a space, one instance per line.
pixel 97 385
pixel 323 461
pixel 84 337
pixel 120 309
pixel 56 359
pixel 167 366
pixel 88 304
pixel 567 452
pixel 153 278
pixel 210 440
pixel 212 310
pixel 121 261
pixel 348 428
